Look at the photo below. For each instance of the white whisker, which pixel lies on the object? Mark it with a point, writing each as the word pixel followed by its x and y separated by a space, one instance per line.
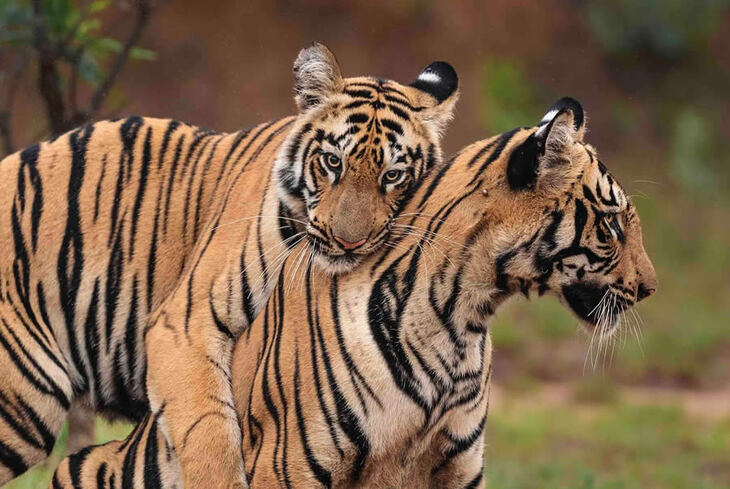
pixel 248 218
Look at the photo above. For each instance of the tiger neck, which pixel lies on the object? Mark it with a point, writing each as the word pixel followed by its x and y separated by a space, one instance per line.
pixel 428 317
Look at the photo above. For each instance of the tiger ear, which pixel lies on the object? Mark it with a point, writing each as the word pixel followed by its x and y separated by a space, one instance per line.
pixel 438 84
pixel 563 124
pixel 317 76
pixel 565 105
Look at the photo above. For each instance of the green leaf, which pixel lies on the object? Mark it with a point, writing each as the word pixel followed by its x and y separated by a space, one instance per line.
pixel 98 6
pixel 89 70
pixel 88 26
pixel 14 15
pixel 107 44
pixel 61 15
pixel 142 54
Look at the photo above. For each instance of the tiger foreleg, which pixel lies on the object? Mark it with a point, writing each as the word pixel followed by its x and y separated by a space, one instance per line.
pixel 143 460
pixel 35 394
pixel 189 388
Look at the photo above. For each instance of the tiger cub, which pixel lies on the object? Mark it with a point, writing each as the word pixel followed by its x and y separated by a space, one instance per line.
pixel 135 251
pixel 380 378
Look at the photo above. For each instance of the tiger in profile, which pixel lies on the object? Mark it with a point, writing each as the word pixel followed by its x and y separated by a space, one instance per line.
pixel 380 378
pixel 135 251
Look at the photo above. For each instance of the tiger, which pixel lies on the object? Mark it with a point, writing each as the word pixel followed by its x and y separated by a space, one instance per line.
pixel 137 250
pixel 380 378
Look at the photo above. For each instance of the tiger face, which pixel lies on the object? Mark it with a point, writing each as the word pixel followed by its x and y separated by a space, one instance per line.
pixel 357 152
pixel 585 242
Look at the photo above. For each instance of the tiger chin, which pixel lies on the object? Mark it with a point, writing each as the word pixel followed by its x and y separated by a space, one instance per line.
pixel 357 152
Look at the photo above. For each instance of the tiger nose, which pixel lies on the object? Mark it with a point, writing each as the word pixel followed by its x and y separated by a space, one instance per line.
pixel 350 245
pixel 644 291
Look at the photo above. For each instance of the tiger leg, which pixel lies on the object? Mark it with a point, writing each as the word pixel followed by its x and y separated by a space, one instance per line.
pixel 464 470
pixel 143 460
pixel 35 393
pixel 462 466
pixel 189 386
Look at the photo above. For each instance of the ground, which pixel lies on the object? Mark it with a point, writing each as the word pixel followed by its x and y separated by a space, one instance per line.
pixel 576 436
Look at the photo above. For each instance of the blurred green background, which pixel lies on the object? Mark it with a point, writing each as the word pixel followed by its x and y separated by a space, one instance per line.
pixel 651 411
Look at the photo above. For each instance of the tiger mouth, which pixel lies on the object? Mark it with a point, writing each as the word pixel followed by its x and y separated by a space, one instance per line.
pixel 332 259
pixel 336 263
pixel 337 259
pixel 596 306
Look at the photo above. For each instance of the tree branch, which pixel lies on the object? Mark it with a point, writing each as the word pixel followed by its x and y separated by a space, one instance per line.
pixel 48 80
pixel 6 133
pixel 6 113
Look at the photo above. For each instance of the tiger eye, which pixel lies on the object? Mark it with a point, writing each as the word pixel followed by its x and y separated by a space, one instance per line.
pixel 332 161
pixel 393 175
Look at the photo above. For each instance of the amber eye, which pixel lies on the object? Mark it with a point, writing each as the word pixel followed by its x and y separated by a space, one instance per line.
pixel 392 176
pixel 331 161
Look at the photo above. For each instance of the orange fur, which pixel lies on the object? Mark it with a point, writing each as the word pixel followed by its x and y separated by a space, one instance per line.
pixel 380 378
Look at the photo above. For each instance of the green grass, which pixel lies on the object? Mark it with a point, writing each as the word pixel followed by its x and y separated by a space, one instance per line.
pixel 604 443
pixel 40 476
pixel 610 447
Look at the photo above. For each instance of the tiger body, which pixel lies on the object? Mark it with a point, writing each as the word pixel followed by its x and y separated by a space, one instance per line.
pixel 104 223
pixel 140 249
pixel 380 378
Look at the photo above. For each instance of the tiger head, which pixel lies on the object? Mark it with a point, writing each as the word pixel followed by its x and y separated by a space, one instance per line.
pixel 568 226
pixel 357 151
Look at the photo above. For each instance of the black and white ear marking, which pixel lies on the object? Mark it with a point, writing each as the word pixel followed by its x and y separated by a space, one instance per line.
pixel 317 75
pixel 438 79
pixel 563 105
pixel 436 93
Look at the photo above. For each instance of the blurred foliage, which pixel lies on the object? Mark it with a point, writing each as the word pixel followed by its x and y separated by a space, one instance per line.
pixel 64 42
pixel 73 27
pixel 691 158
pixel 668 29
pixel 509 100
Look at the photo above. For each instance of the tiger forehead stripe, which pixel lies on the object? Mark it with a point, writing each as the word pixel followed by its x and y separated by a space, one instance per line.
pixel 392 98
pixel 378 86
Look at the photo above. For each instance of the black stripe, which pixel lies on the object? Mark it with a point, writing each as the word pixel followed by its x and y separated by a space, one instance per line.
pixel 393 126
pixel 70 263
pixel 217 320
pixel 474 483
pixel 29 162
pixel 128 133
pixel 12 460
pixel 141 187
pixel 101 476
pixel 76 465
pixel 315 362
pixel 152 474
pixel 323 475
pixel 171 180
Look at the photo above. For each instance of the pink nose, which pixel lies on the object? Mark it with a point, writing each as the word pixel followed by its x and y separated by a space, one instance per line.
pixel 349 245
